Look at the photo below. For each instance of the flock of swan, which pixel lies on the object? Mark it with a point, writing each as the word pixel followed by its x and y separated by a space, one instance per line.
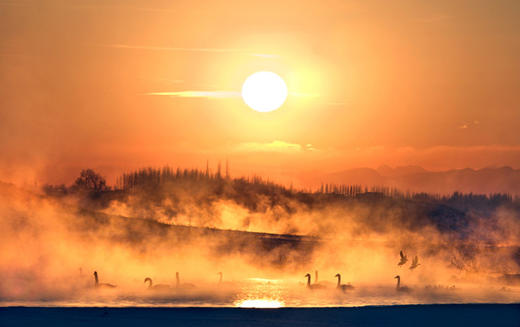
pixel 312 286
pixel 345 287
pixel 178 284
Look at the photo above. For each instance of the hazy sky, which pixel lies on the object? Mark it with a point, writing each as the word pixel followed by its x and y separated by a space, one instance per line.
pixel 115 85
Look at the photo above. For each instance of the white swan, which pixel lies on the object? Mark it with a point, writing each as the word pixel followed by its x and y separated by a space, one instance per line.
pixel 157 287
pixel 183 285
pixel 400 288
pixel 98 284
pixel 343 287
pixel 312 286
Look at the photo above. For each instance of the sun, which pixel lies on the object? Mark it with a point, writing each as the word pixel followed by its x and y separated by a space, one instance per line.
pixel 264 91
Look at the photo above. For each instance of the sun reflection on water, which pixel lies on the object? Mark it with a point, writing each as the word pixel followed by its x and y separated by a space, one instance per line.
pixel 260 293
pixel 259 303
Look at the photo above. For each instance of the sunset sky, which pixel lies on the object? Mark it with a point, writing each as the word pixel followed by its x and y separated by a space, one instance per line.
pixel 116 85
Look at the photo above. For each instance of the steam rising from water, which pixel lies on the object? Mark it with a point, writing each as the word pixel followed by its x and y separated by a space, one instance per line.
pixel 49 251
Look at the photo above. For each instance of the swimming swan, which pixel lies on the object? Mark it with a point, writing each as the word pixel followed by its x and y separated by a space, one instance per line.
pixel 98 284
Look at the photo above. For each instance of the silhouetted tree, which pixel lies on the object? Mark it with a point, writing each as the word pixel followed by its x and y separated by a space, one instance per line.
pixel 89 180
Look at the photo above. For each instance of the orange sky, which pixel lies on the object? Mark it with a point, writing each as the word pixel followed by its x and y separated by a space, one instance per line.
pixel 430 83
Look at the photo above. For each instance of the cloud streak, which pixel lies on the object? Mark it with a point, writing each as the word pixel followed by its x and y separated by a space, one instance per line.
pixel 217 94
pixel 198 94
pixel 467 125
pixel 183 49
pixel 274 146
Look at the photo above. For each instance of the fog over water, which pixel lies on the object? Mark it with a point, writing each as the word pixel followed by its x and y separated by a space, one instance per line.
pixel 51 246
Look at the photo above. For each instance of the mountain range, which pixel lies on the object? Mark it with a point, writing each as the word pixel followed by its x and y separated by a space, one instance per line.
pixel 417 179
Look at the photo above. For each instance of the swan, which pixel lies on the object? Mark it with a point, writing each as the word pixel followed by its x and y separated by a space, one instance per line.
pixel 404 258
pixel 322 284
pixel 226 286
pixel 157 287
pixel 183 285
pixel 400 288
pixel 312 286
pixel 415 263
pixel 98 284
pixel 343 287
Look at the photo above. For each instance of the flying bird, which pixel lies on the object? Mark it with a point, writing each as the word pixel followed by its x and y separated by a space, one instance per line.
pixel 404 258
pixel 415 263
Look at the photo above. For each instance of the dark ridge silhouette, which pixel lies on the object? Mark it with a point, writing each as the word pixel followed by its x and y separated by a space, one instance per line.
pixel 152 188
pixel 491 180
pixel 177 193
pixel 277 249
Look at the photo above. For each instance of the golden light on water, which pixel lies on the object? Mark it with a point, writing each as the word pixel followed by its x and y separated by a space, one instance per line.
pixel 260 304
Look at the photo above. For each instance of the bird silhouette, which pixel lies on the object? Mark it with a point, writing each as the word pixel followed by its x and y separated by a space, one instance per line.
pixel 312 286
pixel 101 285
pixel 400 288
pixel 180 285
pixel 343 287
pixel 415 263
pixel 157 287
pixel 404 258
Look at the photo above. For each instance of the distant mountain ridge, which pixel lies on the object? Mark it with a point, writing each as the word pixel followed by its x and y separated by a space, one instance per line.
pixel 418 179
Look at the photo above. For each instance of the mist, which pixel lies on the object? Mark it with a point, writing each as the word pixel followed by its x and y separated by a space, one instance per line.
pixel 262 237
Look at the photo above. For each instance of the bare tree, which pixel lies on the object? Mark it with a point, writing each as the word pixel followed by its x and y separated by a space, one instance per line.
pixel 89 180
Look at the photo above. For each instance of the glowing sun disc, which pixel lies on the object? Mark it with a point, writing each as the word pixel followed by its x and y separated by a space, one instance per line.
pixel 264 91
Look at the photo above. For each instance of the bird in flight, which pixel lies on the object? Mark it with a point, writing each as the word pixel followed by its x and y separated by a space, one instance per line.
pixel 415 263
pixel 404 258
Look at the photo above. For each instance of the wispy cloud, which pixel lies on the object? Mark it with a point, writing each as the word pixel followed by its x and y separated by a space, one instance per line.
pixel 470 124
pixel 198 94
pixel 183 49
pixel 218 94
pixel 274 146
